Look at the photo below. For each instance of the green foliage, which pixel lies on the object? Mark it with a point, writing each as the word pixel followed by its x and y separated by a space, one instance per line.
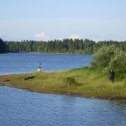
pixel 70 81
pixel 110 57
pixel 77 46
pixel 118 63
pixel 57 46
pixel 2 46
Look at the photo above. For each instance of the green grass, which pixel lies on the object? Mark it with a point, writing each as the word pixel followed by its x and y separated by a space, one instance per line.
pixel 1 84
pixel 82 82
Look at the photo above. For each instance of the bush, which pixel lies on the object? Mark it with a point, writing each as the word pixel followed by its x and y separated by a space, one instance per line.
pixel 118 63
pixel 70 81
pixel 110 57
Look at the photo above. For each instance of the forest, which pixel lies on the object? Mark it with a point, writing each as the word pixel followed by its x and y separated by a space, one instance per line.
pixel 70 46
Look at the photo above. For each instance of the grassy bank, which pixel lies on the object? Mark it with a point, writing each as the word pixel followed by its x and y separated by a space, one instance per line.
pixel 82 82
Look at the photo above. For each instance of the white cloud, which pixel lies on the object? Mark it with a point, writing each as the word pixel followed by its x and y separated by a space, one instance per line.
pixel 74 36
pixel 41 36
pixel 3 36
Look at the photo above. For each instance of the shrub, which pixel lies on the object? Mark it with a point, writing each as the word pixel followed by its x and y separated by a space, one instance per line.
pixel 110 57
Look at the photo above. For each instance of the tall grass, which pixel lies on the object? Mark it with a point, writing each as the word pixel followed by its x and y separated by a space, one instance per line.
pixel 83 82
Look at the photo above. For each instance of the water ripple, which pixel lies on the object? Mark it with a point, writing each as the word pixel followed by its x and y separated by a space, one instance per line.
pixel 23 108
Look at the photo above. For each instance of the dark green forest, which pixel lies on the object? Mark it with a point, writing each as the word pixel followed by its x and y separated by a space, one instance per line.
pixel 57 46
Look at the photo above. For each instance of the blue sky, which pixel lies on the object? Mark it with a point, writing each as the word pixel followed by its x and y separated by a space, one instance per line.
pixel 58 19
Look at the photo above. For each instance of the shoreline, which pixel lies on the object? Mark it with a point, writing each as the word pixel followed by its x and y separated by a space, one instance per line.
pixel 46 53
pixel 65 94
pixel 70 82
pixel 71 95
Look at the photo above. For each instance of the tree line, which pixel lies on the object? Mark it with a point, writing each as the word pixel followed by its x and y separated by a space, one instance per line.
pixel 77 46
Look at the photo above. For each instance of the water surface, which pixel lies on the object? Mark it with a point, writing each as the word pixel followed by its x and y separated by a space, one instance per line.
pixel 26 62
pixel 23 108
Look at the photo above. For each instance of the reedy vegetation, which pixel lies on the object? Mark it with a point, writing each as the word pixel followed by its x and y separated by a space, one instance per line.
pixel 84 82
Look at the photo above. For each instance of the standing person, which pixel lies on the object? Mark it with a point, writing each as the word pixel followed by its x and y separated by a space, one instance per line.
pixel 111 75
pixel 39 67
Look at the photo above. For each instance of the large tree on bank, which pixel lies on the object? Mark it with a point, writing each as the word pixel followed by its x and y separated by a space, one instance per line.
pixel 110 58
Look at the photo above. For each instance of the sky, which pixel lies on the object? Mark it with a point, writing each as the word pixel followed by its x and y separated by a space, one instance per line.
pixel 59 19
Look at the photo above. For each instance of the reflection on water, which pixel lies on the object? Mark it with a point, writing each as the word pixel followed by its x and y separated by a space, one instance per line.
pixel 23 108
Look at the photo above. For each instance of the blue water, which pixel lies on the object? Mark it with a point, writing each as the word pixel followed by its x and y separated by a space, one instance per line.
pixel 23 108
pixel 25 62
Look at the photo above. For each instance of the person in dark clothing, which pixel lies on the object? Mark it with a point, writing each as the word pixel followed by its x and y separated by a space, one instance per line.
pixel 111 75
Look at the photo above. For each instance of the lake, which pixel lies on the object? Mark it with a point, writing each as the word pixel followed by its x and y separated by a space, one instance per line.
pixel 26 62
pixel 22 108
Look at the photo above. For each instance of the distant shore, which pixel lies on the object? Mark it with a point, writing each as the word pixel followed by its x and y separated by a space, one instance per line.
pixel 83 82
pixel 58 53
pixel 38 53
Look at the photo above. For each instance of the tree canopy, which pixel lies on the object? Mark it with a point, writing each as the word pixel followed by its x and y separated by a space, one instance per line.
pixel 2 46
pixel 110 58
pixel 77 46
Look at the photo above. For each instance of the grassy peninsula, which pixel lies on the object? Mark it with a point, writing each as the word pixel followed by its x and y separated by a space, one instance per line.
pixel 84 82
pixel 93 81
